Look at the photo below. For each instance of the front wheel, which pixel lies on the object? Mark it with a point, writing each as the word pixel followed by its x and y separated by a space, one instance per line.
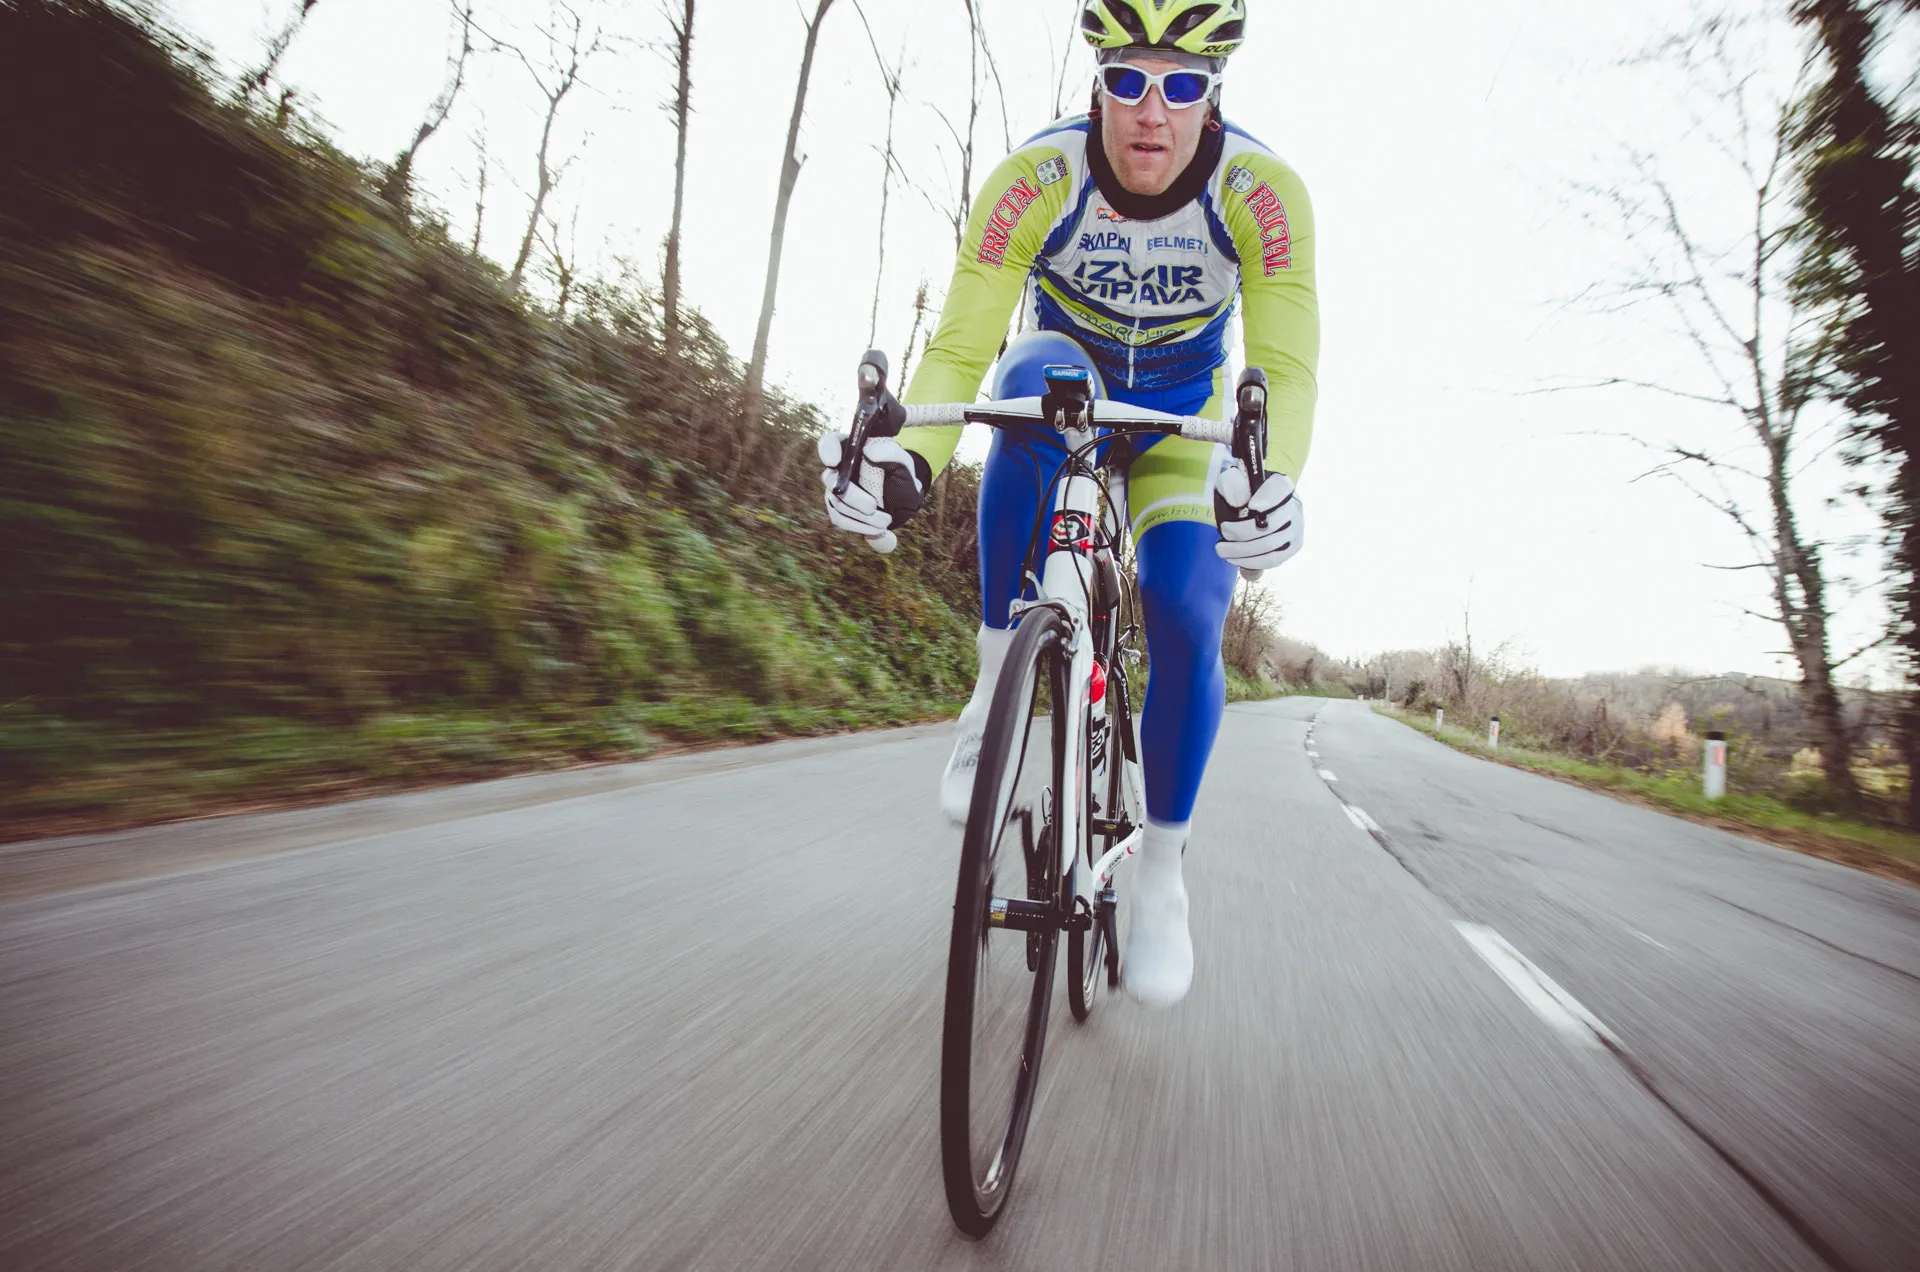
pixel 1000 962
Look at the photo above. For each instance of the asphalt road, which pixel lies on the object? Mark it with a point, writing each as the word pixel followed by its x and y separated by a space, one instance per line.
pixel 686 1015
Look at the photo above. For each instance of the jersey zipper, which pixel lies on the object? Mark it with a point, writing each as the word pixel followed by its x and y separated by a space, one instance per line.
pixel 1135 342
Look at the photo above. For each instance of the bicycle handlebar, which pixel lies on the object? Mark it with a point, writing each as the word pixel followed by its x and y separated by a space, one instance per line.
pixel 1116 417
pixel 1245 433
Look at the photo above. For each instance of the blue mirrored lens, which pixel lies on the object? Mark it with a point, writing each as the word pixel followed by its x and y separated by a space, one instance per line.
pixel 1125 83
pixel 1182 87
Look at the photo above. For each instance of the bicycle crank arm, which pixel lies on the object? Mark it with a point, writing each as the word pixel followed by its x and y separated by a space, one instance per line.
pixel 1016 915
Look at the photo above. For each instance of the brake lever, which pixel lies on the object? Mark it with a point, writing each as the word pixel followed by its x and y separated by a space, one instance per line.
pixel 1250 431
pixel 872 379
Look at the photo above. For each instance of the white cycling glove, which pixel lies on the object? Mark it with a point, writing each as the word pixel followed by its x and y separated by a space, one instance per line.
pixel 890 489
pixel 1243 541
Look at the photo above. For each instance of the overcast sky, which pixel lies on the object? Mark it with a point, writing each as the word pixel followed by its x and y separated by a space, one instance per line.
pixel 1443 146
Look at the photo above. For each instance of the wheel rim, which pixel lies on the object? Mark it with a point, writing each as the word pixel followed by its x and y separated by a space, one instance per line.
pixel 1008 983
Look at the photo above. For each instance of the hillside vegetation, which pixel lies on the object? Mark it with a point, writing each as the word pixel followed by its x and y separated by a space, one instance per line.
pixel 295 492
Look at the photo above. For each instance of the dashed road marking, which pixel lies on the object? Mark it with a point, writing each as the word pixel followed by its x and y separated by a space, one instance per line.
pixel 1358 817
pixel 1327 776
pixel 1536 989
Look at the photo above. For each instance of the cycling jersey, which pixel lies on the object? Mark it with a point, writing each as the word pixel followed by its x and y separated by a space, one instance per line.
pixel 1149 300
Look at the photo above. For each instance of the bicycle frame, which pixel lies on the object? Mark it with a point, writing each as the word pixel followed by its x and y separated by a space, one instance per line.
pixel 1066 584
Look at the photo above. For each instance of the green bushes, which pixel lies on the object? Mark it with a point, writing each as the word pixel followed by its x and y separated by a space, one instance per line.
pixel 295 491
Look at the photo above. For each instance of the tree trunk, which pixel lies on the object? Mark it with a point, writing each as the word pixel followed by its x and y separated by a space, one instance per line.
pixel 256 81
pixel 670 282
pixel 397 188
pixel 480 198
pixel 544 188
pixel 880 243
pixel 789 174
pixel 1863 213
pixel 1805 618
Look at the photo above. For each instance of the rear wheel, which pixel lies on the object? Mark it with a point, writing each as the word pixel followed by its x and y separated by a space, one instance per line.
pixel 1094 954
pixel 1006 907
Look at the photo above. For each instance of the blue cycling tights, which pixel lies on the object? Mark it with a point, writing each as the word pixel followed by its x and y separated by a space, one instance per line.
pixel 1185 588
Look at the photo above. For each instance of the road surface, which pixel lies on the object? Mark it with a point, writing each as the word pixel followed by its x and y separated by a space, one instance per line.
pixel 685 1015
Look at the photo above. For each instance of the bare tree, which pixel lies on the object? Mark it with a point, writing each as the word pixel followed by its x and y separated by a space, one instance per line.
pixel 1250 629
pixel 679 110
pixel 963 205
pixel 921 305
pixel 1074 8
pixel 570 46
pixel 255 81
pixel 1752 349
pixel 891 83
pixel 956 211
pixel 1456 664
pixel 563 261
pixel 399 179
pixel 993 69
pixel 789 174
pixel 479 138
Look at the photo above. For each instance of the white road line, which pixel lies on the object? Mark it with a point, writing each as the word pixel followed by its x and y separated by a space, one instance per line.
pixel 1536 989
pixel 1358 817
pixel 1325 776
pixel 1649 940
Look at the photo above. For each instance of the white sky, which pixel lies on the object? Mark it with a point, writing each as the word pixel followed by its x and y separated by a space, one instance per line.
pixel 1438 142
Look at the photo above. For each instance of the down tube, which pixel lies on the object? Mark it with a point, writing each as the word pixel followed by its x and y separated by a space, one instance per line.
pixel 1067 578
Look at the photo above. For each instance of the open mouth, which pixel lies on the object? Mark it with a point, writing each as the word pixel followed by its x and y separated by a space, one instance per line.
pixel 1147 148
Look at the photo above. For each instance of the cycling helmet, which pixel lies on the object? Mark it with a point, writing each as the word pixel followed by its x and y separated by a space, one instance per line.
pixel 1205 28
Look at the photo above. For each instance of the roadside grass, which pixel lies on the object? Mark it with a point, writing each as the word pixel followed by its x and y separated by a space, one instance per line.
pixel 1883 850
pixel 1244 688
pixel 113 781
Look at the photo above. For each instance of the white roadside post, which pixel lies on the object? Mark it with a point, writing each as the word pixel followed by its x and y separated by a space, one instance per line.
pixel 1715 776
pixel 1439 716
pixel 1493 731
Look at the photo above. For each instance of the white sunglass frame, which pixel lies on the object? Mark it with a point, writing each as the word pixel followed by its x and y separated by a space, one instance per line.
pixel 1156 82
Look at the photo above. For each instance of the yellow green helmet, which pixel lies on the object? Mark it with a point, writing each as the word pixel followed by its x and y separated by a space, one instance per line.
pixel 1205 28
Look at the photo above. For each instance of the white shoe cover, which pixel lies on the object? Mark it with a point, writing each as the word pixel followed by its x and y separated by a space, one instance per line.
pixel 1158 965
pixel 956 785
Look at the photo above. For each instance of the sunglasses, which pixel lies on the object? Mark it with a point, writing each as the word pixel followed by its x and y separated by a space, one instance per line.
pixel 1178 89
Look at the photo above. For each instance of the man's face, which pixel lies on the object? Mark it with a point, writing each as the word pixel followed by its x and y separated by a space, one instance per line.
pixel 1148 145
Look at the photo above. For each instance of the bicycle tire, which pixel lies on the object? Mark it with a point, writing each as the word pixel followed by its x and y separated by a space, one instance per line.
pixel 977 1193
pixel 1124 748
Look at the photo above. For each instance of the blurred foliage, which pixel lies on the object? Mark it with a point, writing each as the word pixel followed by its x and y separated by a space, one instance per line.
pixel 1652 722
pixel 295 491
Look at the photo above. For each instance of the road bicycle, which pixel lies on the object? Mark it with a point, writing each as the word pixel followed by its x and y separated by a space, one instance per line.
pixel 1044 840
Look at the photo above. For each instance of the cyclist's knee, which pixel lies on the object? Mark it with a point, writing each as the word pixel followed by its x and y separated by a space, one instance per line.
pixel 1019 373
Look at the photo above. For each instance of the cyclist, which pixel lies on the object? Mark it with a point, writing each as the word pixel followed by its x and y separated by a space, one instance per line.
pixel 1130 229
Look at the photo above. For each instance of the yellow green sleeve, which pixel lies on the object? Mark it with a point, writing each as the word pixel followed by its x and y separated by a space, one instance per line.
pixel 1018 202
pixel 1271 219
